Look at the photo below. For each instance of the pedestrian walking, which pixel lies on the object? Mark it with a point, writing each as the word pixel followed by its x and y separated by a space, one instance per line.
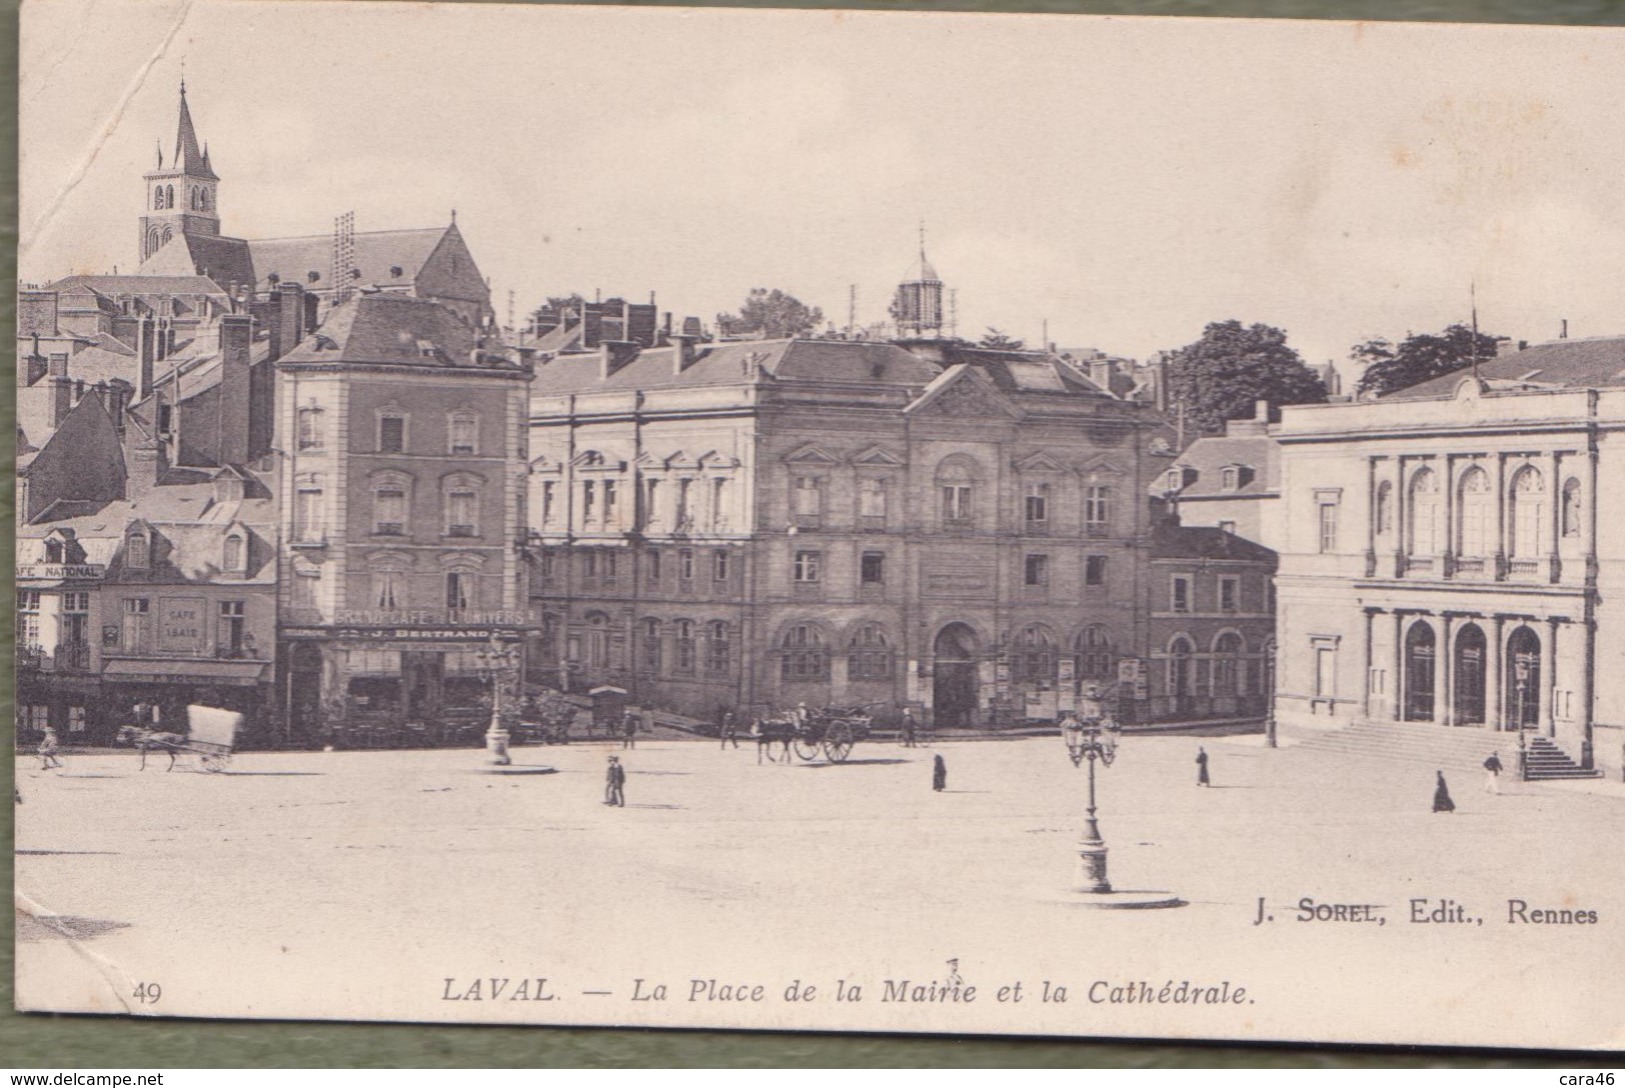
pixel 1201 768
pixel 48 748
pixel 730 729
pixel 1492 773
pixel 1441 796
pixel 615 783
pixel 629 729
pixel 911 729
pixel 939 773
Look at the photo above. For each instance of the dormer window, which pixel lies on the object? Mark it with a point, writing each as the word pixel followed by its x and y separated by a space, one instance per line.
pixel 395 272
pixel 137 551
pixel 233 554
pixel 313 276
pixel 1231 477
pixel 426 349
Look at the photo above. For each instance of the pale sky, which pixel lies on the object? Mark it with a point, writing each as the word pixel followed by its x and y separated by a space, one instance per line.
pixel 1127 180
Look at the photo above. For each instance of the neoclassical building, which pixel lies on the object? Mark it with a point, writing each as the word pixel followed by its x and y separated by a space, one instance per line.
pixel 764 523
pixel 1446 561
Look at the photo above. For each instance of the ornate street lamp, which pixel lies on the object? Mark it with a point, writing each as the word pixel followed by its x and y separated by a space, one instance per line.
pixel 1096 739
pixel 1522 665
pixel 496 659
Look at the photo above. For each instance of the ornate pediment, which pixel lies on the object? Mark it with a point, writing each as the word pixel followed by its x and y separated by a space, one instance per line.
pixel 878 457
pixel 716 460
pixel 962 392
pixel 1038 462
pixel 1101 467
pixel 811 454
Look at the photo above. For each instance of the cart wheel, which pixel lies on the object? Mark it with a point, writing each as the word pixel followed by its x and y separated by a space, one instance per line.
pixel 805 748
pixel 838 741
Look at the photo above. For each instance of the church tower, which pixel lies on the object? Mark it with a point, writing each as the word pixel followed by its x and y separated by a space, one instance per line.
pixel 181 195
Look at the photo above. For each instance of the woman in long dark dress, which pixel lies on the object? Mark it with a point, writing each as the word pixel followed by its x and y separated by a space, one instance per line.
pixel 1201 768
pixel 939 774
pixel 1441 796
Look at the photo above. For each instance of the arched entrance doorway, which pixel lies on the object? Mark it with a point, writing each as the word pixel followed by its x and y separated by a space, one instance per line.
pixel 1421 648
pixel 953 687
pixel 1469 674
pixel 1523 679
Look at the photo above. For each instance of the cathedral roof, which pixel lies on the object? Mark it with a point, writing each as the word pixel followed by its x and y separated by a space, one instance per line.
pixel 384 258
pixel 111 286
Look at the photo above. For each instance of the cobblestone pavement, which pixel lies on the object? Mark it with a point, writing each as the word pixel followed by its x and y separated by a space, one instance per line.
pixel 359 883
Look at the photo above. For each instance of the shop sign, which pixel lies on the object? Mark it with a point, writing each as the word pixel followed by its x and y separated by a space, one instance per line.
pixel 181 626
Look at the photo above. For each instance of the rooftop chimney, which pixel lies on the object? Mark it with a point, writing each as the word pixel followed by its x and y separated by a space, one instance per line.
pixel 682 352
pixel 144 351
pixel 236 343
pixel 288 321
pixel 61 396
pixel 614 354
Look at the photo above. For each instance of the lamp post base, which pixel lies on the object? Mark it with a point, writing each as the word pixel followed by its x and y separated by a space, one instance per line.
pixel 496 747
pixel 1092 868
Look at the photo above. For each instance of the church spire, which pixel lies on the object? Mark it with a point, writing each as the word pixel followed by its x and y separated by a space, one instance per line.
pixel 189 156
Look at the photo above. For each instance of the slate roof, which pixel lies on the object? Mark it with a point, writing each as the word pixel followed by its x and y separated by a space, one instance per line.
pixel 1172 541
pixel 1209 456
pixel 739 363
pixel 140 285
pixel 377 254
pixel 391 329
pixel 1576 364
pixel 222 260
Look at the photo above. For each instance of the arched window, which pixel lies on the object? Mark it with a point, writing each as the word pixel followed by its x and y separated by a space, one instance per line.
pixel 158 198
pixel 195 201
pixel 169 196
pixel 1227 651
pixel 1384 514
pixel 868 656
pixel 391 430
pixel 685 645
pixel 1528 505
pixel 1424 513
pixel 389 584
pixel 718 656
pixel 804 655
pixel 233 554
pixel 1571 507
pixel 651 645
pixel 203 200
pixel 1180 679
pixel 1476 537
pixel 1032 658
pixel 1094 653
pixel 956 488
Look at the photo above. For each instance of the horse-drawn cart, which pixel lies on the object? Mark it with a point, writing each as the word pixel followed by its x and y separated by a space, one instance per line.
pixel 211 735
pixel 831 732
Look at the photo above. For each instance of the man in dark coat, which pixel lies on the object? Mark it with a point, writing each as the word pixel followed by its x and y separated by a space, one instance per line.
pixel 629 729
pixel 1492 773
pixel 730 729
pixel 939 773
pixel 1441 796
pixel 615 783
pixel 1201 768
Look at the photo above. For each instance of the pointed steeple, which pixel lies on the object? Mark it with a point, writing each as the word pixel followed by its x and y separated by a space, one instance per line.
pixel 189 156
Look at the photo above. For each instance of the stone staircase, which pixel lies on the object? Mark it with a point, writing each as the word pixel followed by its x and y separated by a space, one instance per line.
pixel 1548 761
pixel 1460 749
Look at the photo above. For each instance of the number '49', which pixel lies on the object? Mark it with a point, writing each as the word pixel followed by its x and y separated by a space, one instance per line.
pixel 148 993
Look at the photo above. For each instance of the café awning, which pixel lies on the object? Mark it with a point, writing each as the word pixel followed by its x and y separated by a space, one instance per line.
pixel 186 670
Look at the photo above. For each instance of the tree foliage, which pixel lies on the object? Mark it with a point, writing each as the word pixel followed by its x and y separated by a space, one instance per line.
pixel 1000 341
pixel 773 314
pixel 1418 358
pixel 1222 374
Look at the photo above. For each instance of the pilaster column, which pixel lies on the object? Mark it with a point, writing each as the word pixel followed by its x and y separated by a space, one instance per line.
pixel 1447 554
pixel 1494 685
pixel 1370 625
pixel 1444 701
pixel 1554 513
pixel 1402 520
pixel 1500 516
pixel 1370 537
pixel 1583 692
pixel 1396 690
pixel 1548 678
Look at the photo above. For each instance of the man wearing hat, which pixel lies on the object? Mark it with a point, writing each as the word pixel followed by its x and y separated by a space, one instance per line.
pixel 615 783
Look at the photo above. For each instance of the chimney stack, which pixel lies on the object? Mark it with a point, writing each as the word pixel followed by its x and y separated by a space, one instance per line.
pixel 287 320
pixel 614 354
pixel 61 387
pixel 682 352
pixel 236 401
pixel 1100 372
pixel 1261 411
pixel 143 353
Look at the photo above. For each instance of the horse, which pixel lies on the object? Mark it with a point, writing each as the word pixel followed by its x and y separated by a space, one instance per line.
pixel 770 731
pixel 147 739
